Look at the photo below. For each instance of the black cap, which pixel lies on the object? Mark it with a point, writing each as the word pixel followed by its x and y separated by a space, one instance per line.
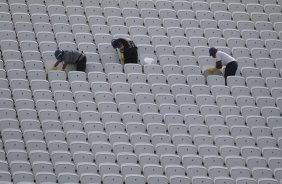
pixel 212 51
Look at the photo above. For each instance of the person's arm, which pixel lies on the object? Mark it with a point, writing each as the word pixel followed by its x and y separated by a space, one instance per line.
pixel 54 67
pixel 57 63
pixel 64 66
pixel 218 64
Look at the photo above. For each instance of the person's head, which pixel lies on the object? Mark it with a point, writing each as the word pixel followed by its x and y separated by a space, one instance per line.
pixel 117 44
pixel 59 54
pixel 213 52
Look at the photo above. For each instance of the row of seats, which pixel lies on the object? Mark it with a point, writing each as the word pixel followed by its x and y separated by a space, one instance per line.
pixel 237 87
pixel 168 73
pixel 230 160
pixel 72 46
pixel 204 36
pixel 160 4
pixel 160 123
pixel 156 138
pixel 75 76
pixel 156 41
pixel 138 81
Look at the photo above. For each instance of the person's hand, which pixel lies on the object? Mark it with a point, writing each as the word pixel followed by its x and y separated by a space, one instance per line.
pixel 212 69
pixel 53 68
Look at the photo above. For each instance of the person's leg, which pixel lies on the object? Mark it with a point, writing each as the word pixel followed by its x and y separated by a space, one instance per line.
pixel 230 70
pixel 81 65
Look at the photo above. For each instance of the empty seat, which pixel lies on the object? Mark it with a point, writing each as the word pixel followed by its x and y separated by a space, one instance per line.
pixel 261 172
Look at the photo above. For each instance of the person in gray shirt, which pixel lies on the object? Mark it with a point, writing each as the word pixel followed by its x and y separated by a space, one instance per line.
pixel 70 57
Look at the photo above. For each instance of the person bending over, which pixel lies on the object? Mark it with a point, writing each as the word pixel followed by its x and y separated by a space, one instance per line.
pixel 223 59
pixel 70 57
pixel 127 50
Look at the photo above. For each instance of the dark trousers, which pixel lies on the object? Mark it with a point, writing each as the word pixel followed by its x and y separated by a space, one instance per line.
pixel 81 64
pixel 230 70
pixel 131 55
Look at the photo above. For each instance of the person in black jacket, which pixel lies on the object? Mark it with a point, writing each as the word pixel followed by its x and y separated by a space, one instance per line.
pixel 127 49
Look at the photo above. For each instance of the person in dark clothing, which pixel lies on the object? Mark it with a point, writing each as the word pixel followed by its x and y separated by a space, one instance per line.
pixel 70 57
pixel 127 49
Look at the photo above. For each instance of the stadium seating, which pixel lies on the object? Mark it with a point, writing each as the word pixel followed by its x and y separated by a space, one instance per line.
pixel 140 123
